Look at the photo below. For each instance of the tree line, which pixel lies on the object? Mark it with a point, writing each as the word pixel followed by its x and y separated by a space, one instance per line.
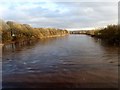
pixel 12 31
pixel 110 34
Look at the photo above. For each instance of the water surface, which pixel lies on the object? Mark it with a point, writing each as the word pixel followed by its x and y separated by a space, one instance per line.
pixel 70 61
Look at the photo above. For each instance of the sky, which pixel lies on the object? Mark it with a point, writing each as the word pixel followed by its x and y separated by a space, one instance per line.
pixel 70 15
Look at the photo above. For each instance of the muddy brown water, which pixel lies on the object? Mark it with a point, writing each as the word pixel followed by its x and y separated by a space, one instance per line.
pixel 72 61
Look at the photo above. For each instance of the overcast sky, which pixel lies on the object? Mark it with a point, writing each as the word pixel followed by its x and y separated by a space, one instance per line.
pixel 64 15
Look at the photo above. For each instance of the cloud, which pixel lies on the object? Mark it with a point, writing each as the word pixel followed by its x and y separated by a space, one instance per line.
pixel 69 15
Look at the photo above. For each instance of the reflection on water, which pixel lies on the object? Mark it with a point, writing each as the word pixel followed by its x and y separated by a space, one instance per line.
pixel 78 59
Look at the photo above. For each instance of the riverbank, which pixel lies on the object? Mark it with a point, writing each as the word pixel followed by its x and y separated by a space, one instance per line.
pixel 110 34
pixel 16 32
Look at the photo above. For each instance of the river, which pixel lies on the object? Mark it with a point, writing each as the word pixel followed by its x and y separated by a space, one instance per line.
pixel 72 61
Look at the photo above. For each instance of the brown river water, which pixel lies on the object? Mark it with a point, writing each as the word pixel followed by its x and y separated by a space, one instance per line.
pixel 77 61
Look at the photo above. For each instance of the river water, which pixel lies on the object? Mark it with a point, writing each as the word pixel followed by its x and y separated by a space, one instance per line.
pixel 72 61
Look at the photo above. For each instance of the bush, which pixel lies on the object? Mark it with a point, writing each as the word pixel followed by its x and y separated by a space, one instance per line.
pixel 12 31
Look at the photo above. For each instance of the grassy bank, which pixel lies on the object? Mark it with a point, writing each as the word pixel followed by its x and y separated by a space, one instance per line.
pixel 15 32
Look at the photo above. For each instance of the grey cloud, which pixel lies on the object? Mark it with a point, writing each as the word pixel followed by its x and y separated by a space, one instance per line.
pixel 66 15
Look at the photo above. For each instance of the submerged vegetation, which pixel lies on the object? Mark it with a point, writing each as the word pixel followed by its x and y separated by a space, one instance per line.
pixel 12 31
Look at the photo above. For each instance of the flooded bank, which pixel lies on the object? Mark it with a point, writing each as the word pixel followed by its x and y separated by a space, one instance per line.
pixel 71 61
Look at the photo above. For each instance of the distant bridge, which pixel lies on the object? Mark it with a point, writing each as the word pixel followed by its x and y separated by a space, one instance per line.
pixel 87 32
pixel 79 32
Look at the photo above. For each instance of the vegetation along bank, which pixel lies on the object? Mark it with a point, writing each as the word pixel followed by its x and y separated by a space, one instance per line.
pixel 16 32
